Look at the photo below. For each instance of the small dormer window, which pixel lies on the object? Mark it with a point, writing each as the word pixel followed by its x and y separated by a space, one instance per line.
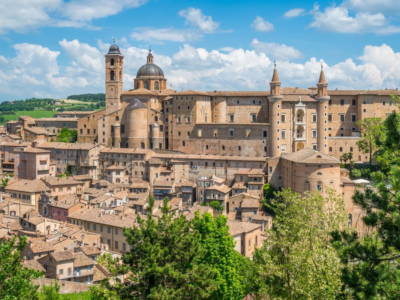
pixel 112 61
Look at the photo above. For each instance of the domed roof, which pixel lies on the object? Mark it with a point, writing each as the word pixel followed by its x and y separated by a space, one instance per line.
pixel 150 69
pixel 114 49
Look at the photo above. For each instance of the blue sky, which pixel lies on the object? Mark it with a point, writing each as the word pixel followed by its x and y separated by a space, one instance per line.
pixel 55 47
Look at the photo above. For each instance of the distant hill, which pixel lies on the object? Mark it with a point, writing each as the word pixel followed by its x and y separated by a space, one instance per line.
pixel 46 107
pixel 89 97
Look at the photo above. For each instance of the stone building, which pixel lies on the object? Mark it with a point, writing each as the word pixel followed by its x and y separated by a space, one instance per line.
pixel 228 123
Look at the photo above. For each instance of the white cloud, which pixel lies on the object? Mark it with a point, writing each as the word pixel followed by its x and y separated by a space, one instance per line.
pixel 295 12
pixel 260 24
pixel 388 6
pixel 22 15
pixel 86 10
pixel 196 18
pixel 25 15
pixel 339 19
pixel 276 51
pixel 164 34
pixel 36 71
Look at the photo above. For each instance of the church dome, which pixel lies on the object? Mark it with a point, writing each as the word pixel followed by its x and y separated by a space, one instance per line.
pixel 150 69
pixel 114 49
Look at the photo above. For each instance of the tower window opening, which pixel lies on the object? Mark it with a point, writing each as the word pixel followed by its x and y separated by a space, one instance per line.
pixel 112 61
pixel 112 75
pixel 156 85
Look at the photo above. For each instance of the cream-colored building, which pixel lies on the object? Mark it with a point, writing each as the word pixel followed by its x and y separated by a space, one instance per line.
pixel 228 123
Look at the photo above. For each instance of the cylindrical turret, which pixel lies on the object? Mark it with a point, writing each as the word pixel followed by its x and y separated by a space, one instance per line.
pixel 116 135
pixel 137 128
pixel 322 110
pixel 275 100
pixel 155 136
pixel 219 110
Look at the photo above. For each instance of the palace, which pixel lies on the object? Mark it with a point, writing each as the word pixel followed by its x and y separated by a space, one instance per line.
pixel 229 123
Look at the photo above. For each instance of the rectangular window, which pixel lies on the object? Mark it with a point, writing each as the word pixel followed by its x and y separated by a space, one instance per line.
pixel 314 133
pixel 231 118
pixel 283 118
pixel 314 118
pixel 253 118
pixel 342 117
pixel 231 132
pixel 353 118
pixel 314 146
pixel 283 148
pixel 283 134
pixel 330 118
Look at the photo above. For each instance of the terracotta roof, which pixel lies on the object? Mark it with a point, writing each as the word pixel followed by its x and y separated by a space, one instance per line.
pixel 56 181
pixel 220 188
pixel 237 227
pixel 363 92
pixel 310 156
pixel 66 146
pixel 65 202
pixel 98 216
pixel 124 151
pixel 25 185
pixel 34 150
pixel 81 260
pixel 37 130
pixel 139 184
pixel 62 255
pixel 39 246
pixel 56 119
pixel 33 264
pixel 91 250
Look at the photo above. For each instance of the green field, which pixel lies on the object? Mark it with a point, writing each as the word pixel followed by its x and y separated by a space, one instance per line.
pixel 32 113
pixel 78 296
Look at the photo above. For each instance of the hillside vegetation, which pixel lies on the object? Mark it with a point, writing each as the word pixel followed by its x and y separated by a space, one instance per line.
pixel 47 107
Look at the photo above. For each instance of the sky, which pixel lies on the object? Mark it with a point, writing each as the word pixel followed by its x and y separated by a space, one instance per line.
pixel 55 48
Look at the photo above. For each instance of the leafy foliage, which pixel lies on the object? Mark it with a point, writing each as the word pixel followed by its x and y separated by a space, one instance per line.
pixel 67 135
pixel 371 132
pixel 101 97
pixel 15 280
pixel 297 260
pixel 171 257
pixel 371 268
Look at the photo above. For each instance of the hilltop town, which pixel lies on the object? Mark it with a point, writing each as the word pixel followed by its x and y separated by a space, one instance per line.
pixel 206 151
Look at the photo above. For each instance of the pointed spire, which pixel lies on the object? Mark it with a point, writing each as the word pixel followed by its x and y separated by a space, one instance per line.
pixel 275 75
pixel 322 75
pixel 275 82
pixel 150 57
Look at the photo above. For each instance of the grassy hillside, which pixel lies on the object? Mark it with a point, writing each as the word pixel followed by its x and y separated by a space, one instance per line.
pixel 47 107
pixel 78 296
pixel 31 113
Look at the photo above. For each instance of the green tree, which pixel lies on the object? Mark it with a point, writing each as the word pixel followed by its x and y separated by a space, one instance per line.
pixel 372 263
pixel 371 131
pixel 51 292
pixel 15 280
pixel 347 160
pixel 171 257
pixel 164 260
pixel 297 261
pixel 216 205
pixel 67 135
pixel 233 271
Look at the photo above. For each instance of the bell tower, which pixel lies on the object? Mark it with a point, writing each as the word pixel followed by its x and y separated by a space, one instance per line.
pixel 114 63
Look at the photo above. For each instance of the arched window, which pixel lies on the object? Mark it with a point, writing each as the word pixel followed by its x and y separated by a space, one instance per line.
pixel 112 75
pixel 112 61
pixel 156 85
pixel 300 132
pixel 300 116
pixel 146 84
